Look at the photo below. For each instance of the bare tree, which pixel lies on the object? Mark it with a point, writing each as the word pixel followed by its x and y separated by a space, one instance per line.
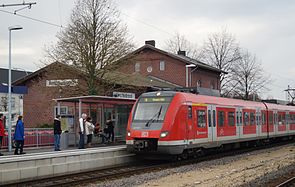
pixel 179 42
pixel 221 51
pixel 94 41
pixel 249 79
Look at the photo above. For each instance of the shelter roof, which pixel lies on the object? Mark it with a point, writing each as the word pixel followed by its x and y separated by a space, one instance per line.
pixel 96 99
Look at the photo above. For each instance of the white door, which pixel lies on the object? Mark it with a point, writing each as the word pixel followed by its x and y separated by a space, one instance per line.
pixel 212 123
pixel 239 124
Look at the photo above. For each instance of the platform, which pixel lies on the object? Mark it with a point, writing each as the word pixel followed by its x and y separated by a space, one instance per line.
pixel 16 168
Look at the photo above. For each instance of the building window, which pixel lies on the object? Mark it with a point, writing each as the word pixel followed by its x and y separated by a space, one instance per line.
pixel 137 67
pixel 12 103
pixel 212 85
pixel 63 110
pixel 199 83
pixel 162 65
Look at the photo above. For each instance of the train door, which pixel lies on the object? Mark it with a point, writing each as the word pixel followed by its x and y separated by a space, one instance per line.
pixel 258 122
pixel 275 121
pixel 288 121
pixel 189 124
pixel 239 123
pixel 200 125
pixel 211 123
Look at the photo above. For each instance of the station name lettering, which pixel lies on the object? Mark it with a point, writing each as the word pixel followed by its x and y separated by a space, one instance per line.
pixel 64 82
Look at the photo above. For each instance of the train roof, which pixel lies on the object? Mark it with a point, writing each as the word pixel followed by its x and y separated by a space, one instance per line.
pixel 235 102
pixel 221 100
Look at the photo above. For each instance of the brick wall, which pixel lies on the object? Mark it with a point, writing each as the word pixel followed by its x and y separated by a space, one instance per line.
pixel 174 69
pixel 39 104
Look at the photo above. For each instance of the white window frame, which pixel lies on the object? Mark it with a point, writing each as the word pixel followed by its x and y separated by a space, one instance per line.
pixel 137 67
pixel 62 108
pixel 162 65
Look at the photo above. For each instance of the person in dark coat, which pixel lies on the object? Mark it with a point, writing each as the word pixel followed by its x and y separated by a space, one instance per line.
pixel 57 132
pixel 19 136
pixel 2 132
pixel 110 130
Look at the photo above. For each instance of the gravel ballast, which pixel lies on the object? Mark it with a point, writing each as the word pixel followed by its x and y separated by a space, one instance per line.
pixel 249 169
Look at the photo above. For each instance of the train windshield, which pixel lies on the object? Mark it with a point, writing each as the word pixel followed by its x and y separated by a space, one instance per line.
pixel 150 108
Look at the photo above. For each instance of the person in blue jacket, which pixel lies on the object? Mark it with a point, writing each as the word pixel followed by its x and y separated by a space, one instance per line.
pixel 19 136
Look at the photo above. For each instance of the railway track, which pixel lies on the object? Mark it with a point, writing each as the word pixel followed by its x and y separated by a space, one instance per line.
pixel 287 183
pixel 124 171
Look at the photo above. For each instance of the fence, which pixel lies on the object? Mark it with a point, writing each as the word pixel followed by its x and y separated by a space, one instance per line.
pixel 34 137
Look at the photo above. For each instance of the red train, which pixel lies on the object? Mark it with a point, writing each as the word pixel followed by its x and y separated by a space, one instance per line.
pixel 175 123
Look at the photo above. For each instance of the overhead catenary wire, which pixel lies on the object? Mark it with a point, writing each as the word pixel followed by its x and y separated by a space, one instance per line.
pixel 147 24
pixel 34 19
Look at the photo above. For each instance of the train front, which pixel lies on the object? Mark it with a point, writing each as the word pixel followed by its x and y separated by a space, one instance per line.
pixel 150 123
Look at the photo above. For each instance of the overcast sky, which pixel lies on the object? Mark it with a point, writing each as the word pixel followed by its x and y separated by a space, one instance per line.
pixel 264 27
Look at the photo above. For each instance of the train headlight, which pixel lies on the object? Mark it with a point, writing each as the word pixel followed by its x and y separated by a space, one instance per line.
pixel 128 134
pixel 163 134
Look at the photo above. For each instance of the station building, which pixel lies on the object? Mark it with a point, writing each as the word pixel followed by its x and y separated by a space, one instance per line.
pixel 60 88
pixel 176 69
pixel 58 80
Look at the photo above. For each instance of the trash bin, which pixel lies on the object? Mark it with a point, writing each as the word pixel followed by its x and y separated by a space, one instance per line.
pixel 64 140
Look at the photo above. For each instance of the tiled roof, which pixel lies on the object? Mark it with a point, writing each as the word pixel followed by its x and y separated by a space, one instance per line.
pixel 15 75
pixel 182 58
pixel 112 76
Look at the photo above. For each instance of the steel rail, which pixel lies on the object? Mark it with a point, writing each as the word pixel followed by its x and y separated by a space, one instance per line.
pixel 139 168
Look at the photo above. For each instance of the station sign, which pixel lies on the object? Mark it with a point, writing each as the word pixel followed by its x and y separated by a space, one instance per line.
pixel 124 95
pixel 64 82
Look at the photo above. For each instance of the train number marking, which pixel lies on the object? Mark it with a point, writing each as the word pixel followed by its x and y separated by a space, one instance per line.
pixel 144 134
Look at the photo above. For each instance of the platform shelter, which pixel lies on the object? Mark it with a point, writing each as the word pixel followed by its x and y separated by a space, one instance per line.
pixel 99 108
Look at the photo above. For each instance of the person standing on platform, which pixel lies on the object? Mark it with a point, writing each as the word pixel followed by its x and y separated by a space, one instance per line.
pixel 82 130
pixel 57 133
pixel 89 128
pixel 110 130
pixel 19 136
pixel 2 131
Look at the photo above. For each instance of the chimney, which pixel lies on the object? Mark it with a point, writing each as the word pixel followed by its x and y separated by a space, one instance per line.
pixel 150 42
pixel 181 53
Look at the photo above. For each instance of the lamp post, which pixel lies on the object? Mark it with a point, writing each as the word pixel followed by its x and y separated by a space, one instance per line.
pixel 12 28
pixel 186 72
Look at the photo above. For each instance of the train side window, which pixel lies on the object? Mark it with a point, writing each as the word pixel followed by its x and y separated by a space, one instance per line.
pixel 270 118
pixel 280 119
pixel 214 118
pixel 275 118
pixel 190 112
pixel 246 118
pixel 220 118
pixel 252 118
pixel 231 118
pixel 263 118
pixel 241 117
pixel 237 116
pixel 284 119
pixel 209 118
pixel 287 118
pixel 201 118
